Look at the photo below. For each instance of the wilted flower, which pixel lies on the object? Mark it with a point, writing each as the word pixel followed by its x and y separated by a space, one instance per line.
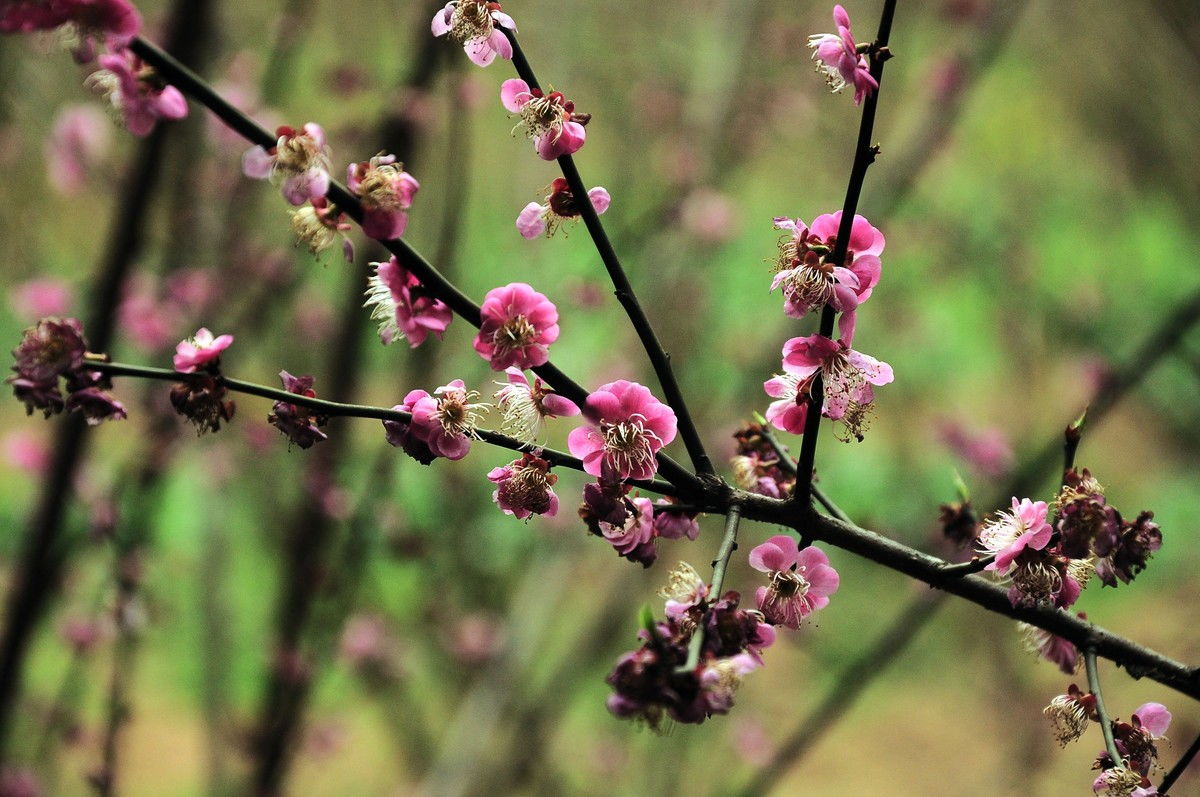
pixel 675 524
pixel 839 61
pixel 1052 648
pixel 518 325
pixel 633 539
pixel 404 308
pixel 53 350
pixel 386 192
pixel 299 160
pixel 1070 714
pixel 560 206
pixel 1138 540
pixel 136 92
pixel 318 224
pixel 1086 523
pixel 629 426
pixel 756 465
pixel 301 424
pixel 524 407
pixel 201 350
pixel 473 24
pixel 685 590
pixel 549 119
pixel 523 487
pixel 801 581
pixel 201 399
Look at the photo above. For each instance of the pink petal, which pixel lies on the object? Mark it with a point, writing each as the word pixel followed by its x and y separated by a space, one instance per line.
pixel 556 406
pixel 600 199
pixel 171 104
pixel 514 93
pixel 256 163
pixel 480 51
pixel 531 221
pixel 1154 717
pixel 441 20
pixel 777 553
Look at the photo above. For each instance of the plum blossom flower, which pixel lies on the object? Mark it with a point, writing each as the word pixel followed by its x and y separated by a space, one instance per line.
pixel 839 61
pixel 300 160
pixel 473 24
pixel 136 92
pixel 201 350
pixel 634 538
pixel 301 424
pixel 518 326
pixel 525 407
pixel 442 424
pixel 801 581
pixel 628 427
pixel 1009 533
pixel 685 590
pixel 1120 781
pixel 675 524
pixel 386 191
pixel 79 139
pixel 318 224
pixel 809 281
pixel 1070 714
pixel 847 376
pixel 560 206
pixel 1052 648
pixel 549 119
pixel 1137 541
pixel 40 297
pixel 404 308
pixel 201 399
pixel 523 487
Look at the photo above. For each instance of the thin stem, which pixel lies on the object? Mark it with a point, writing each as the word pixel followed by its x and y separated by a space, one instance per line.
pixel 186 81
pixel 659 358
pixel 343 409
pixel 864 156
pixel 1180 766
pixel 720 565
pixel 1093 676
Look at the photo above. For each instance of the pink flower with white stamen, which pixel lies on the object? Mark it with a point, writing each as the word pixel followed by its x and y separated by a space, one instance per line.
pixel 809 281
pixel 536 220
pixel 524 407
pixel 299 160
pixel 386 191
pixel 200 350
pixel 685 590
pixel 801 581
pixel 1010 533
pixel 549 119
pixel 402 305
pixel 628 427
pixel 839 60
pixel 136 92
pixel 474 23
pixel 519 324
pixel 847 376
pixel 445 421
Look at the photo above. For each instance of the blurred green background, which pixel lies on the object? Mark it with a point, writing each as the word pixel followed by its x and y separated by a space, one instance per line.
pixel 1037 187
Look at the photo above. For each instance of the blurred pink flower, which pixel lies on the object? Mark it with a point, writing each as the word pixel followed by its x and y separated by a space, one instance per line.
pixel 202 349
pixel 519 324
pixel 839 61
pixel 41 297
pixel 628 427
pixel 26 451
pixel 473 23
pixel 987 451
pixel 79 139
pixel 550 120
pixel 475 638
pixel 800 581
pixel 709 216
pixel 300 160
pixel 131 87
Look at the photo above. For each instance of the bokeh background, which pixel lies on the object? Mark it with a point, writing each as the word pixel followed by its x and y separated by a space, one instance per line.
pixel 1037 187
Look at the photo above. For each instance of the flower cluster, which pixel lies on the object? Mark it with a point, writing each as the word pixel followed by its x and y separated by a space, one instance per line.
pixel 52 360
pixel 473 23
pixel 561 205
pixel 403 307
pixel 549 119
pixel 300 424
pixel 441 425
pixel 756 464
pixel 1048 556
pixel 654 682
pixel 631 525
pixel 136 92
pixel 523 487
pixel 839 59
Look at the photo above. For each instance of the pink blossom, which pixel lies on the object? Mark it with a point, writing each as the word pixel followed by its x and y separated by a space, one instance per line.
pixel 442 425
pixel 147 320
pixel 518 326
pixel 136 92
pixel 386 191
pixel 560 206
pixel 524 407
pixel 839 61
pixel 1010 533
pixel 300 160
pixel 549 119
pixel 847 376
pixel 200 350
pixel 523 487
pixel 473 24
pixel 801 581
pixel 26 451
pixel 80 138
pixel 404 308
pixel 1154 718
pixel 634 539
pixel 628 427
pixel 809 281
pixel 38 298
pixel 675 524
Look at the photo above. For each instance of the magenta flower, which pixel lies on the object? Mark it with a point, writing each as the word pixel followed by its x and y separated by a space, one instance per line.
pixel 809 281
pixel 473 24
pixel 200 350
pixel 634 539
pixel 518 325
pixel 136 92
pixel 1010 533
pixel 40 297
pixel 524 407
pixel 523 487
pixel 403 307
pixel 299 160
pixel 549 119
pixel 560 206
pixel 442 425
pixel 847 376
pixel 629 426
pixel 801 581
pixel 301 424
pixel 386 191
pixel 839 61
pixel 1153 718
pixel 674 524
pixel 116 21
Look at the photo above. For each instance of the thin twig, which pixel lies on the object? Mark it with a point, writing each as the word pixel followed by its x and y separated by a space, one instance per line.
pixel 1093 676
pixel 719 565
